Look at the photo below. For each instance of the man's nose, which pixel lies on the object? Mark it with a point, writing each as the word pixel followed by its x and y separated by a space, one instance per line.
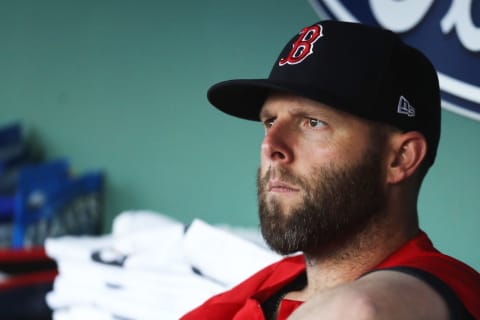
pixel 276 145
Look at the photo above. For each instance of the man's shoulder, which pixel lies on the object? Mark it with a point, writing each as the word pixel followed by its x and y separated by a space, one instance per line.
pixel 420 255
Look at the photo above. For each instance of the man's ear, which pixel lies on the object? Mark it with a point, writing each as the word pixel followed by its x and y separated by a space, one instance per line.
pixel 407 153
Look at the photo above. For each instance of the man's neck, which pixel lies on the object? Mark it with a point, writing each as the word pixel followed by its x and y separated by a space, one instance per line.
pixel 350 261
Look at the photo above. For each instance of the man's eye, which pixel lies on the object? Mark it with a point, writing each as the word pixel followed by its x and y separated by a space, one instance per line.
pixel 315 123
pixel 268 123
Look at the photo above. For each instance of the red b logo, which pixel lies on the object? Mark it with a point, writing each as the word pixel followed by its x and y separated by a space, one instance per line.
pixel 303 46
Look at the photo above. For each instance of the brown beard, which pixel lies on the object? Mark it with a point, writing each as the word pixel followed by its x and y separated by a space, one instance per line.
pixel 338 204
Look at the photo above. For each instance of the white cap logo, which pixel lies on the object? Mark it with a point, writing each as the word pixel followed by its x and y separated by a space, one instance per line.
pixel 404 107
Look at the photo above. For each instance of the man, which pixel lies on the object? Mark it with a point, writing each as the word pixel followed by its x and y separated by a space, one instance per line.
pixel 352 124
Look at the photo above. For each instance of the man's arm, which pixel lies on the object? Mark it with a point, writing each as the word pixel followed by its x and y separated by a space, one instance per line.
pixel 379 295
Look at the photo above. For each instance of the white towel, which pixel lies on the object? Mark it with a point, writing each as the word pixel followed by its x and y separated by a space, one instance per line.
pixel 140 220
pixel 152 241
pixel 136 295
pixel 223 256
pixel 82 313
pixel 146 268
pixel 75 247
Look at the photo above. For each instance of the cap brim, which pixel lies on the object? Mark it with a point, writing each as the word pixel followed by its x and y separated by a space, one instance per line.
pixel 244 98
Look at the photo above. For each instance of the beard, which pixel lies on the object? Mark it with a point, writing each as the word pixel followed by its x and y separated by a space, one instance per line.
pixel 338 203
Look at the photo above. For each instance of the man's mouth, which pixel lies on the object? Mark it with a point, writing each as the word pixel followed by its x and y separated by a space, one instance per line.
pixel 281 187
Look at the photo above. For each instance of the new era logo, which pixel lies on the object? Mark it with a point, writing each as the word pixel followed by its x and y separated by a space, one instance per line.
pixel 404 107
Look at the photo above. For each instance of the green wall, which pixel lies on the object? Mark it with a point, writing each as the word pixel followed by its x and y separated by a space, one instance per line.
pixel 120 85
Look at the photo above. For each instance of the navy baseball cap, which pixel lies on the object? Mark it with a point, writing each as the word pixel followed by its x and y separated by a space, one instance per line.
pixel 365 71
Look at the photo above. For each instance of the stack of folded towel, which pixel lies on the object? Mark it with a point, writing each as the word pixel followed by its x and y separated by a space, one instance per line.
pixel 149 267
